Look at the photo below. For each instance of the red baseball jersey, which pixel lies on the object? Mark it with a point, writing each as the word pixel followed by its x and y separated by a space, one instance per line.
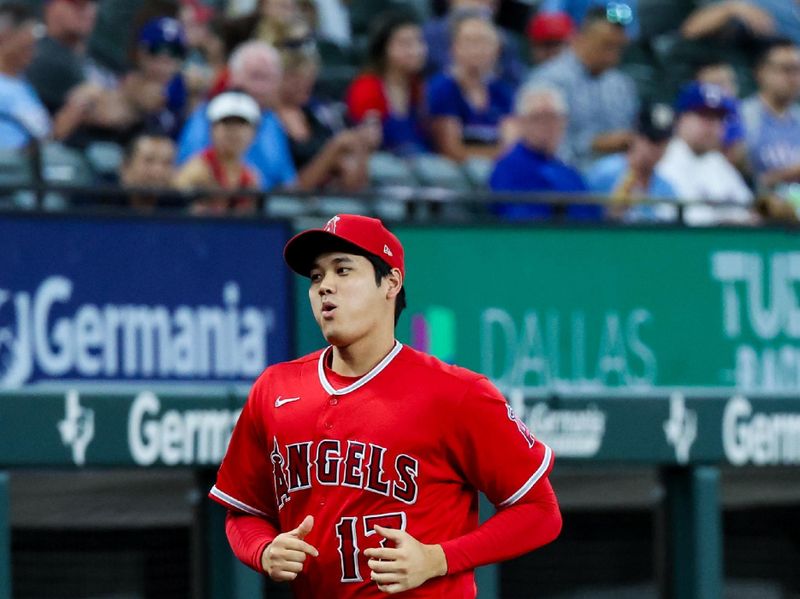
pixel 407 446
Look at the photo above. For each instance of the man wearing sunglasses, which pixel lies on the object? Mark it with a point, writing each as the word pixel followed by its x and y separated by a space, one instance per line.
pixel 603 101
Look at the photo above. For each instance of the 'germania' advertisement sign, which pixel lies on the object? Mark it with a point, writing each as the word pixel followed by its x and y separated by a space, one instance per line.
pixel 95 300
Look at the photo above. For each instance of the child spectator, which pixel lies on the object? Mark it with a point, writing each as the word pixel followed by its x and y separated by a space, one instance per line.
pixel 234 118
pixel 255 68
pixel 390 90
pixel 325 153
pixel 468 106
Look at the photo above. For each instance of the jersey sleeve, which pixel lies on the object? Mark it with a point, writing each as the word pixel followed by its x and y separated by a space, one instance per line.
pixel 497 453
pixel 244 480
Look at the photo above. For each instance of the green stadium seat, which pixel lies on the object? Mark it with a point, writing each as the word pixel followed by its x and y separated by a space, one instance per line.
pixel 478 171
pixel 434 170
pixel 62 165
pixel 105 158
pixel 15 171
pixel 278 206
pixel 331 206
pixel 386 169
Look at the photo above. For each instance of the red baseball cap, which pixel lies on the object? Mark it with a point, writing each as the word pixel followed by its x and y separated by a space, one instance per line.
pixel 344 232
pixel 550 27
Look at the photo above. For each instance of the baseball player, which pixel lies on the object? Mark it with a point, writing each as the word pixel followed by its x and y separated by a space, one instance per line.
pixel 354 471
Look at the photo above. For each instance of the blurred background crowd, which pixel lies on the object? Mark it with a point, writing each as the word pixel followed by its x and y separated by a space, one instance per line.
pixel 604 103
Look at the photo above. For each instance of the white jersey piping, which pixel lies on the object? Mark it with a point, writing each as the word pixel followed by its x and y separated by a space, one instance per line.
pixel 233 502
pixel 360 382
pixel 548 454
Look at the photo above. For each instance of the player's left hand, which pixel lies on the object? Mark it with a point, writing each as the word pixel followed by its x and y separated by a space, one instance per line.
pixel 406 565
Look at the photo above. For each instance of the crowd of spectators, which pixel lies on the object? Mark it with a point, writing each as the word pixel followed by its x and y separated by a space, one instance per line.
pixel 605 103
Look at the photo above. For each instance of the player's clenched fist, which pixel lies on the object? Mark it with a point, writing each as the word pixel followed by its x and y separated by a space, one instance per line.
pixel 283 558
pixel 406 565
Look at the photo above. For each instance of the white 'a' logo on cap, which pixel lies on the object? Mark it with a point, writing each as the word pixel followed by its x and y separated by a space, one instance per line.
pixel 387 251
pixel 331 226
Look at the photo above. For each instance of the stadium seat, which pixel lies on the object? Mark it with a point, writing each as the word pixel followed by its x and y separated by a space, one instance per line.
pixel 105 159
pixel 478 171
pixel 386 169
pixel 330 206
pixel 62 165
pixel 437 171
pixel 285 206
pixel 15 171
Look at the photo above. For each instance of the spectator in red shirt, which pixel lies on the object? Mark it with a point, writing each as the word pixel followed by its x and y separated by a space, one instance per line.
pixel 390 89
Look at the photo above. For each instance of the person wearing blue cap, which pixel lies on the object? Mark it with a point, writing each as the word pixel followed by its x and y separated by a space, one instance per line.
pixel 694 165
pixel 155 88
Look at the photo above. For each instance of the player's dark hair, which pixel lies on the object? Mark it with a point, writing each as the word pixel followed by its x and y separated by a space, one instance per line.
pixel 769 45
pixel 382 269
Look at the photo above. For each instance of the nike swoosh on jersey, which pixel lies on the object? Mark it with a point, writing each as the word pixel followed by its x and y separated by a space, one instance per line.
pixel 279 402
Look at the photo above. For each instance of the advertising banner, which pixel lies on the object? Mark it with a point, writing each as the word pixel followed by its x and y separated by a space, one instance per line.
pixel 91 300
pixel 147 429
pixel 593 310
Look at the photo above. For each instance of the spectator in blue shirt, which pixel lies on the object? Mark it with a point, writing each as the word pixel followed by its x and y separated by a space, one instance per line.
pixel 531 165
pixel 603 101
pixel 772 117
pixel 23 117
pixel 255 68
pixel 467 106
pixel 438 37
pixel 629 177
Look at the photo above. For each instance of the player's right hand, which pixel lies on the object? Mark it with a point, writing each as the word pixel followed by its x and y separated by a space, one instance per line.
pixel 283 559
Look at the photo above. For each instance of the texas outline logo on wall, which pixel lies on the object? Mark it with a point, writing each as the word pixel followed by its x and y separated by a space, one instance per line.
pixel 77 428
pixel 681 427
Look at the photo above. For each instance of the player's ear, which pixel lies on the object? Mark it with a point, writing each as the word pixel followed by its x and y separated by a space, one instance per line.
pixel 394 282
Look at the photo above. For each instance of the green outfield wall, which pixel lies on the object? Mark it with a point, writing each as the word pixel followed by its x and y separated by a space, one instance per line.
pixel 598 310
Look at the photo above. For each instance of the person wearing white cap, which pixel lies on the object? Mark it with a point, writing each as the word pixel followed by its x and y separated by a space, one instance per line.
pixel 234 118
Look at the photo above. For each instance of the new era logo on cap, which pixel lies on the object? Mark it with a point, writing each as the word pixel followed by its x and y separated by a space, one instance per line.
pixel 344 232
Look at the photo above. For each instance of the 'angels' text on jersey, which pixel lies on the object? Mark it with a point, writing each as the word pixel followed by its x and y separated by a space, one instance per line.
pixel 298 466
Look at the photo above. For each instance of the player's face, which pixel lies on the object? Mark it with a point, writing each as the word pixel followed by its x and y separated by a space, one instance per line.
pixel 345 300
